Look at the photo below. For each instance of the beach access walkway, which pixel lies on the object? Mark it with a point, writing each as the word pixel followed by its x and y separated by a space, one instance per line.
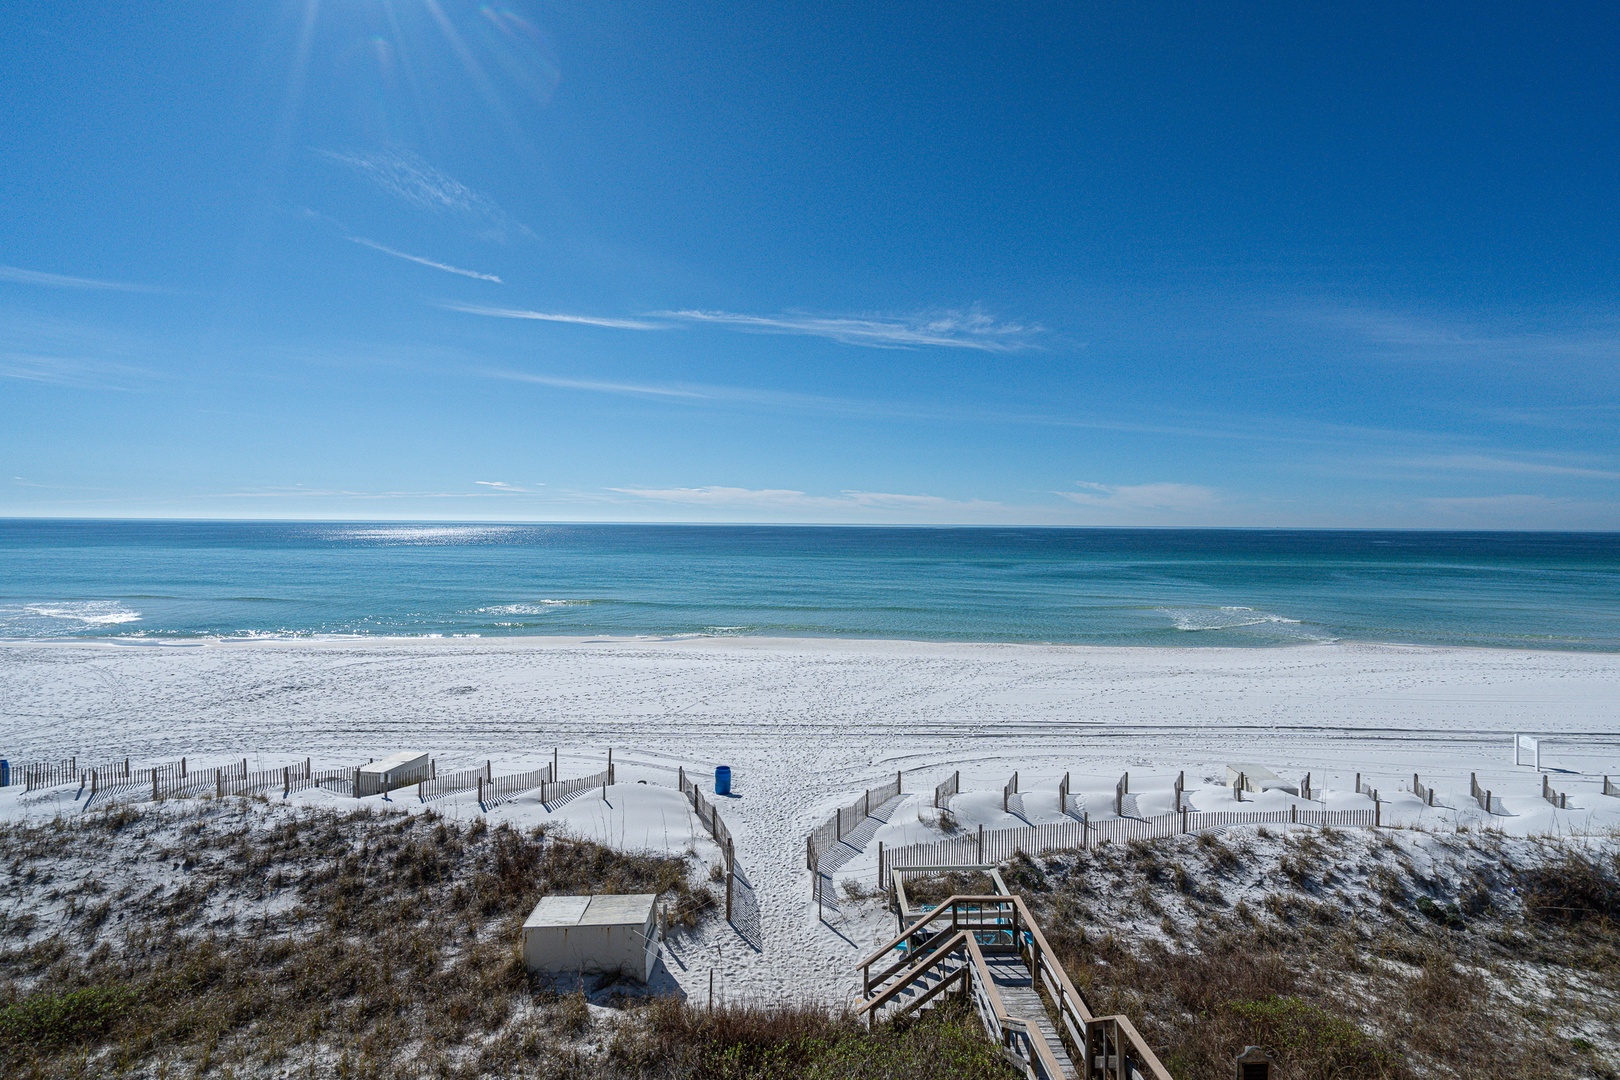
pixel 990 948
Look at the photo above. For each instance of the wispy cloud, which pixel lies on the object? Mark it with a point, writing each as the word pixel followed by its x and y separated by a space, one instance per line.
pixel 949 329
pixel 63 281
pixel 1422 337
pixel 792 499
pixel 1180 497
pixel 609 322
pixel 419 260
pixel 1494 464
pixel 502 487
pixel 85 374
pixel 416 183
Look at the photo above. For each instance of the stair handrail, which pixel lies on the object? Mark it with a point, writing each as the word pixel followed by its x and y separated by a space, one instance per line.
pixel 1140 1057
pixel 939 950
pixel 1087 1031
pixel 948 907
pixel 1004 1024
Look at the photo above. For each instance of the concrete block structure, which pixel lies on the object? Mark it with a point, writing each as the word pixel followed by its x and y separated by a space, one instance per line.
pixel 567 935
pixel 394 771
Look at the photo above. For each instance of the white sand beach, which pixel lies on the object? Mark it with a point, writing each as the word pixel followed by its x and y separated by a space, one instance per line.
pixel 808 724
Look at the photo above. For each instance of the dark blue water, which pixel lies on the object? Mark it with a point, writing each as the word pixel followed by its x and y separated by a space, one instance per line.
pixel 1098 586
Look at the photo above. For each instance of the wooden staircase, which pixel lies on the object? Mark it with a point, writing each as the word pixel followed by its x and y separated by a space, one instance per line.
pixel 990 948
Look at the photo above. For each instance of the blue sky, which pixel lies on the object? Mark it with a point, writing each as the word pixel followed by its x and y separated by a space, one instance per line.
pixel 1091 263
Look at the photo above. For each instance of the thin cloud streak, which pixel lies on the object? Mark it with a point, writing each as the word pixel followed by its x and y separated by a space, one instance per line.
pixel 1487 463
pixel 413 181
pixel 948 330
pixel 793 499
pixel 72 372
pixel 554 316
pixel 599 387
pixel 446 267
pixel 1179 497
pixel 63 281
pixel 951 330
pixel 1422 338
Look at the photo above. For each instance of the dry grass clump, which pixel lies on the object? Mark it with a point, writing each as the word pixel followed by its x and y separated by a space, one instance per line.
pixel 788 1042
pixel 233 939
pixel 1349 955
pixel 935 888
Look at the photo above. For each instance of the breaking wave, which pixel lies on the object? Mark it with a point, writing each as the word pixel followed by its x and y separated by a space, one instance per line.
pixel 1223 618
pixel 538 607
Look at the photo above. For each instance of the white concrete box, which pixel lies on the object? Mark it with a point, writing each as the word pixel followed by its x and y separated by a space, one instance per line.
pixel 1258 778
pixel 392 772
pixel 565 935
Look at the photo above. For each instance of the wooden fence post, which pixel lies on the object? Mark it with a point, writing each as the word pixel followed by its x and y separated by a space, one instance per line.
pixel 554 764
pixel 731 874
pixel 981 843
pixel 357 781
pixel 1126 780
pixel 880 864
pixel 219 783
pixel 480 791
pixel 154 785
pixel 307 773
pixel 1378 812
pixel 286 781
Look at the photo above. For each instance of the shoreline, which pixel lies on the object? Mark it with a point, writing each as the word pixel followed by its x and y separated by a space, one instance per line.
pixel 807 642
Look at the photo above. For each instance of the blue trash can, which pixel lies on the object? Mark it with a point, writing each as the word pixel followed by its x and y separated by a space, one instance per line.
pixel 722 779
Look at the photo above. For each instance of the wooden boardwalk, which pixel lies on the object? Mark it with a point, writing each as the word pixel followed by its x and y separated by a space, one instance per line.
pixel 990 949
pixel 1016 985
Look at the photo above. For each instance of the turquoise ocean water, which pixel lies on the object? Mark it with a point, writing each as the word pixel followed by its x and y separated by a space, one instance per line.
pixel 172 580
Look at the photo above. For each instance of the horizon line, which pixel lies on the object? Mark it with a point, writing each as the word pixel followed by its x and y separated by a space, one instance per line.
pixel 176 519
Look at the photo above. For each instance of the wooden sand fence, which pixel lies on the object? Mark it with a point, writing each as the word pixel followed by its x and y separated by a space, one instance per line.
pixel 107 784
pixel 991 846
pixel 437 787
pixel 833 830
pixel 558 790
pixel 176 780
pixel 1424 792
pixel 45 774
pixel 709 814
pixel 496 791
pixel 1486 799
pixel 945 789
pixel 339 781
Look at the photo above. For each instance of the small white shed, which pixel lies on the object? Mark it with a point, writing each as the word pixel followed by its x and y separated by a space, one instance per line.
pixel 1258 778
pixel 564 935
pixel 393 771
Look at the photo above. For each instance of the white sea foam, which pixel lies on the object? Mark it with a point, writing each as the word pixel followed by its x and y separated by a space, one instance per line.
pixel 84 612
pixel 1222 618
pixel 538 607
